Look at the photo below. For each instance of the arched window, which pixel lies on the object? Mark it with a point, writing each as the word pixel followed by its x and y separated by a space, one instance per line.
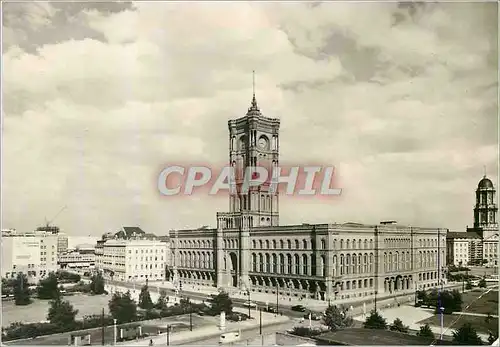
pixel 323 244
pixel 305 268
pixel 274 263
pixel 297 264
pixel 254 262
pixel 323 267
pixel 304 244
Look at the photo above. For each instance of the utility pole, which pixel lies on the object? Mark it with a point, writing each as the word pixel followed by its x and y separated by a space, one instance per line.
pixel 102 327
pixel 168 335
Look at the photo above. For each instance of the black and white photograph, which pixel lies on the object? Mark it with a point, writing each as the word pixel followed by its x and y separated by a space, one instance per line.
pixel 249 173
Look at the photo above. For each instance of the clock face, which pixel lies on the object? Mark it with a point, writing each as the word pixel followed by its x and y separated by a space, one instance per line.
pixel 262 142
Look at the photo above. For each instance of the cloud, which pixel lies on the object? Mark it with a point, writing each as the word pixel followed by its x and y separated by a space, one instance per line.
pixel 98 98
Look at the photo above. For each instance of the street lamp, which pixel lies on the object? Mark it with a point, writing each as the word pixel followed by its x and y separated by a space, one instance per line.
pixel 260 320
pixel 168 335
pixel 114 331
pixel 249 304
pixel 277 299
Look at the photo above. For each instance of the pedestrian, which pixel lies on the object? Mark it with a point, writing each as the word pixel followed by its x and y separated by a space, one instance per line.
pixel 151 342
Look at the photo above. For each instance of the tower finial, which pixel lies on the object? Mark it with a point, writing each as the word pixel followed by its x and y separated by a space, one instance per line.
pixel 484 167
pixel 253 82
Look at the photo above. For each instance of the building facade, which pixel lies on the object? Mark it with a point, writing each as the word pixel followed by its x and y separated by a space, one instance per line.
pixel 81 259
pixel 250 251
pixel 32 253
pixel 483 237
pixel 462 248
pixel 132 255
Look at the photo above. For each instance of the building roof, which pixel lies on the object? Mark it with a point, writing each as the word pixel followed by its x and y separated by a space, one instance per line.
pixel 128 232
pixel 485 183
pixel 361 336
pixel 462 235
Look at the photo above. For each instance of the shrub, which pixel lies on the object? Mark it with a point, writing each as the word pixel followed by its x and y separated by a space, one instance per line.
pixel 398 325
pixel 305 332
pixel 375 321
pixel 425 331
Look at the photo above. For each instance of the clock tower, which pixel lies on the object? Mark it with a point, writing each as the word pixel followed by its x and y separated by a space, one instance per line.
pixel 254 141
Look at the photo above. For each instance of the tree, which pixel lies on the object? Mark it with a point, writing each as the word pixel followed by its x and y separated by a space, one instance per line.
pixel 97 284
pixel 422 296
pixel 145 301
pixel 450 301
pixel 162 300
pixel 122 307
pixel 482 283
pixel 336 318
pixel 222 302
pixel 398 325
pixel 425 331
pixel 21 290
pixel 468 285
pixel 466 335
pixel 375 321
pixel 61 313
pixel 492 338
pixel 47 288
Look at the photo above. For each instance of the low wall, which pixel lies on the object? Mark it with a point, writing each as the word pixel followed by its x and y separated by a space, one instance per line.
pixel 275 339
pixel 283 339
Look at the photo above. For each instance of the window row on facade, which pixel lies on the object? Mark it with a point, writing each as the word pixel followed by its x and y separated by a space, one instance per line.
pixel 309 244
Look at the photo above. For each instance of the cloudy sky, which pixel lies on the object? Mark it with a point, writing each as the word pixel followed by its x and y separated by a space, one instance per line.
pixel 99 97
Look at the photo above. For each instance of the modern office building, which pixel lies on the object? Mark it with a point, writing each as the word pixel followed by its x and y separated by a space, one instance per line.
pixel 32 253
pixel 250 251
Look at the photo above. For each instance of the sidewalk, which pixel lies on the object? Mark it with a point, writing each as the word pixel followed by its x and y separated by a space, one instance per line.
pixel 211 331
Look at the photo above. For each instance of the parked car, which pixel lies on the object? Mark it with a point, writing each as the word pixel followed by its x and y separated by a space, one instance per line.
pixel 314 316
pixel 250 304
pixel 271 309
pixel 298 308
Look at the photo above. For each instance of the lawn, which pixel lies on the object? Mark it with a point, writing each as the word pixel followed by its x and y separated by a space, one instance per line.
pixel 480 303
pixel 178 323
pixel 37 311
pixel 479 323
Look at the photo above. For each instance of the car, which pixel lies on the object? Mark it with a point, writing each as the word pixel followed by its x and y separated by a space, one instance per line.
pixel 271 309
pixel 314 316
pixel 298 308
pixel 250 304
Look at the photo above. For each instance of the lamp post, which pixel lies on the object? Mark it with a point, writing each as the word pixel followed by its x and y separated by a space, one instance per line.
pixel 441 322
pixel 114 331
pixel 168 335
pixel 277 299
pixel 260 320
pixel 190 317
pixel 249 304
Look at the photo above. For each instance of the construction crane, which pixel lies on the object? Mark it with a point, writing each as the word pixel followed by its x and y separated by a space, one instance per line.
pixel 47 226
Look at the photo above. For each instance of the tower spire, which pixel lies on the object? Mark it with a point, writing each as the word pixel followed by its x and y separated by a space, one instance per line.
pixel 254 108
pixel 253 82
pixel 484 167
